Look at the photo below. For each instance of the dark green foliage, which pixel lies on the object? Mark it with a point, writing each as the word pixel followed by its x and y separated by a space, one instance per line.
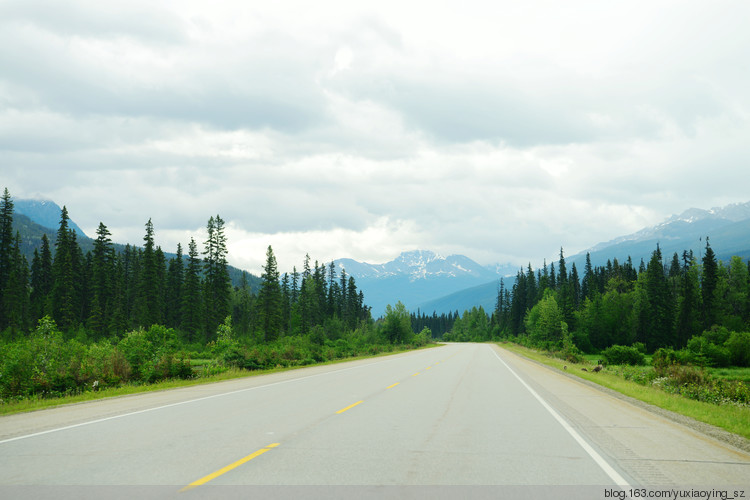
pixel 217 285
pixel 396 325
pixel 269 303
pixel 623 355
pixel 192 298
pixel 709 283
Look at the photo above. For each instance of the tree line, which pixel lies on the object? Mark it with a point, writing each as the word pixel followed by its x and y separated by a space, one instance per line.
pixel 105 293
pixel 676 303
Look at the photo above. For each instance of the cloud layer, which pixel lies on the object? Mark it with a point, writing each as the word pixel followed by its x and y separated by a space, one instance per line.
pixel 502 132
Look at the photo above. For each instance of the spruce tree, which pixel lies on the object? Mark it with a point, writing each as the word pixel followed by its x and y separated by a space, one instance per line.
pixel 65 304
pixel 102 276
pixel 709 282
pixel 268 304
pixel 149 296
pixel 41 282
pixel 217 282
pixel 173 299
pixel 660 320
pixel 16 291
pixel 192 298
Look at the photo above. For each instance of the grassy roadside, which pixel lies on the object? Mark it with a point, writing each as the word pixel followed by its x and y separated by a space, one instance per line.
pixel 731 418
pixel 39 403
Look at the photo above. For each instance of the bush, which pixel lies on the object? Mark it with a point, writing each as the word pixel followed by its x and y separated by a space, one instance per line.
pixel 738 345
pixel 623 355
pixel 703 352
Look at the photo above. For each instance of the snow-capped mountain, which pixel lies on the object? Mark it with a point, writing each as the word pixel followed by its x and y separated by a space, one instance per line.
pixel 415 277
pixel 417 265
pixel 728 230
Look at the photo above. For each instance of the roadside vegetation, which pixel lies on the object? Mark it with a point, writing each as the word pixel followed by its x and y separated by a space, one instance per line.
pixel 638 382
pixel 674 333
pixel 76 325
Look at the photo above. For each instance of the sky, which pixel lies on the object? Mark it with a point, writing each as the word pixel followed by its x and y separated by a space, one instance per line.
pixel 502 131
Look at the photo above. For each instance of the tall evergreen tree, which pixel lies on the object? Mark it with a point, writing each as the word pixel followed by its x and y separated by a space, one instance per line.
pixel 217 283
pixel 16 291
pixel 65 302
pixel 6 245
pixel 173 300
pixel 101 286
pixel 660 322
pixel 687 322
pixel 41 282
pixel 268 303
pixel 149 298
pixel 708 286
pixel 192 298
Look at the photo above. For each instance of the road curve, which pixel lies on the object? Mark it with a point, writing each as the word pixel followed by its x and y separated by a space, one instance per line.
pixel 460 415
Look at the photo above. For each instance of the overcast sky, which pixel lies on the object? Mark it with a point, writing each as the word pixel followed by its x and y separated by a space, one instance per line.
pixel 498 130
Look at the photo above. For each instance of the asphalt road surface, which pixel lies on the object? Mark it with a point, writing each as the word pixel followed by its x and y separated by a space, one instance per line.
pixel 473 416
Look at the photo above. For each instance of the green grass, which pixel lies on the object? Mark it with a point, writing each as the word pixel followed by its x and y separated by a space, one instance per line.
pixel 740 374
pixel 731 418
pixel 39 403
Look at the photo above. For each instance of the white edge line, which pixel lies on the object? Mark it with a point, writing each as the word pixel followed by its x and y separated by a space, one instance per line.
pixel 600 461
pixel 67 427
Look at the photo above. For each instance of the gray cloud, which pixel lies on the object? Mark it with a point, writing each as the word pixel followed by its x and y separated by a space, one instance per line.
pixel 504 134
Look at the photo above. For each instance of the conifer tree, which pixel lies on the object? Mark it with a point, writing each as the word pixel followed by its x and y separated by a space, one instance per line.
pixel 6 244
pixel 217 283
pixel 708 286
pixel 149 298
pixel 102 275
pixel 65 304
pixel 660 320
pixel 41 282
pixel 192 298
pixel 173 299
pixel 16 291
pixel 268 303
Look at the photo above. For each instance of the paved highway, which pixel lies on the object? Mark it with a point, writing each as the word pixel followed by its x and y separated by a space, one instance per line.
pixel 459 414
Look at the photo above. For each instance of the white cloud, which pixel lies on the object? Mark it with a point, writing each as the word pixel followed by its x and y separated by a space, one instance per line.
pixel 502 131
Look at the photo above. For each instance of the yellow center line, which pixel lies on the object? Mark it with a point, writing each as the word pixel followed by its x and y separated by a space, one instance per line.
pixel 229 467
pixel 414 375
pixel 393 385
pixel 429 367
pixel 342 410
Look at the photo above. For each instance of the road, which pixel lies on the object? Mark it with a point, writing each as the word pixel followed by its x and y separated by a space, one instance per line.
pixel 459 414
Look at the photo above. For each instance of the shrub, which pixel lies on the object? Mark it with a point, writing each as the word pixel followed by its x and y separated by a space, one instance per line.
pixel 623 355
pixel 703 352
pixel 738 346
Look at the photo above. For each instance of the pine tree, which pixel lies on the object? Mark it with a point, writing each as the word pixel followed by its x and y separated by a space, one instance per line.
pixel 587 286
pixel 41 282
pixel 268 303
pixel 16 291
pixel 173 299
pixel 709 282
pixel 6 246
pixel 65 303
pixel 102 275
pixel 149 306
pixel 660 320
pixel 192 298
pixel 217 282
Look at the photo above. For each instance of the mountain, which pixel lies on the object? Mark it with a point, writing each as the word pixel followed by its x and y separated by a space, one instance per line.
pixel 415 278
pixel 45 213
pixel 728 229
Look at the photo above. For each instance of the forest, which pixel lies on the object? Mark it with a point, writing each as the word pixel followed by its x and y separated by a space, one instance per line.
pixel 700 307
pixel 69 319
